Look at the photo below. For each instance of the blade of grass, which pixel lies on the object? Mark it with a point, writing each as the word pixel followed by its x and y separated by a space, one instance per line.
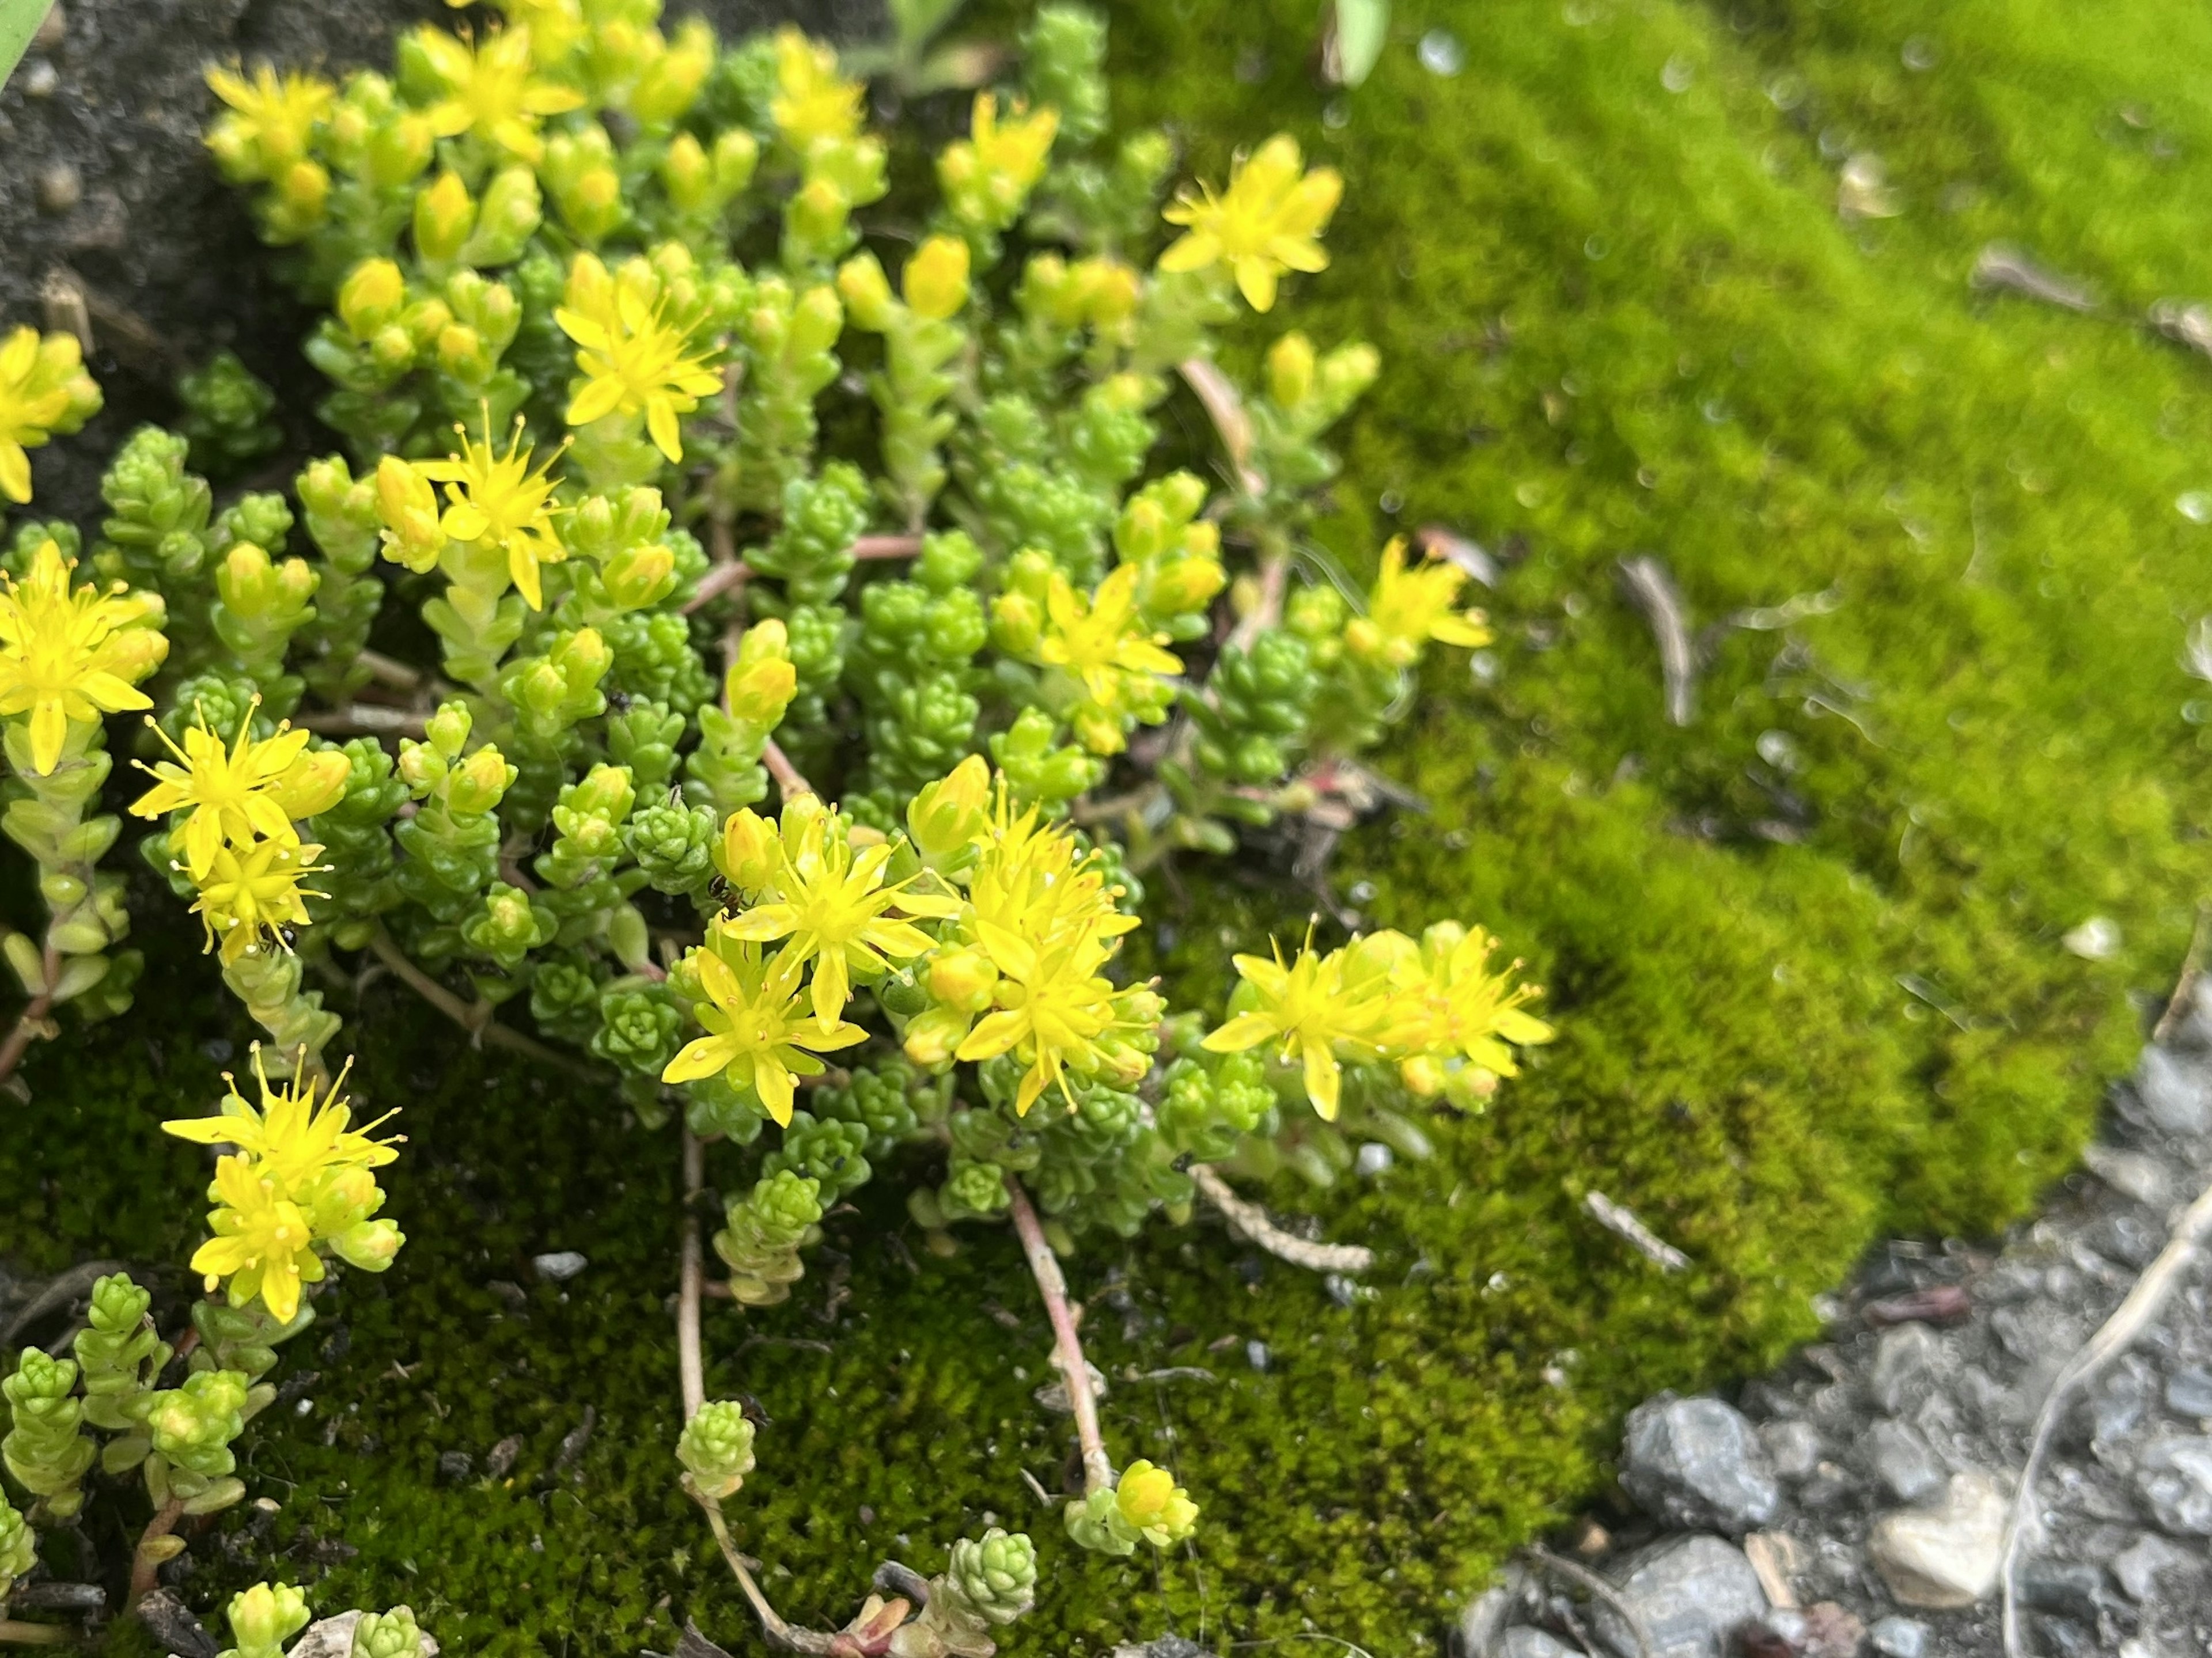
pixel 19 22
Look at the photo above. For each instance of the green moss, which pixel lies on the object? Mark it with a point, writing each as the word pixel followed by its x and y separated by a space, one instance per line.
pixel 1613 318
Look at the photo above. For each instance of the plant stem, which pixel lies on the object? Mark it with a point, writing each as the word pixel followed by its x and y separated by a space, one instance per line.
pixel 787 1636
pixel 143 1566
pixel 1274 577
pixel 724 576
pixel 364 719
pixel 691 1367
pixel 1250 1222
pixel 31 1024
pixel 1044 1266
pixel 14 1630
pixel 887 547
pixel 786 776
pixel 476 1019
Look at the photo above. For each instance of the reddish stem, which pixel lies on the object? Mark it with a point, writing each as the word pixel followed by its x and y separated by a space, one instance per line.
pixel 1044 1266
pixel 786 774
pixel 143 1566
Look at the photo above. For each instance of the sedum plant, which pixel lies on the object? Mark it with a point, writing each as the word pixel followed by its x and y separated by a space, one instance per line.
pixel 816 658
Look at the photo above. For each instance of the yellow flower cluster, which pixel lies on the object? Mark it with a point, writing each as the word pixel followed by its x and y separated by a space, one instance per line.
pixel 69 656
pixel 801 883
pixel 263 136
pixel 44 388
pixel 987 176
pixel 632 358
pixel 1267 222
pixel 236 810
pixel 1113 669
pixel 1021 969
pixel 297 1179
pixel 1435 1009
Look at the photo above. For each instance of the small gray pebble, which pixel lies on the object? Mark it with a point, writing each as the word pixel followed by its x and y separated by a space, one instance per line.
pixel 2188 1391
pixel 1906 1361
pixel 1899 1637
pixel 1522 1642
pixel 60 187
pixel 1374 1158
pixel 560 1265
pixel 1902 1461
pixel 1793 1447
pixel 40 80
pixel 1256 1354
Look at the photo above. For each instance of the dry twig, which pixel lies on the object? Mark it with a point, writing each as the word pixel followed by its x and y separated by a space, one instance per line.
pixel 1068 1346
pixel 1653 592
pixel 2001 265
pixel 1623 1223
pixel 2184 987
pixel 2133 1316
pixel 476 1018
pixel 1250 1222
pixel 1536 1554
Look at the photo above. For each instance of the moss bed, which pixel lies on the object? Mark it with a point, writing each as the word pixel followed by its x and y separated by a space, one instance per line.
pixel 1804 952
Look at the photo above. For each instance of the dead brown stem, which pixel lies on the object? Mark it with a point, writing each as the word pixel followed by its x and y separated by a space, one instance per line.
pixel 726 576
pixel 364 719
pixel 690 1368
pixel 1250 1222
pixel 2192 969
pixel 14 1631
pixel 1068 1354
pixel 886 547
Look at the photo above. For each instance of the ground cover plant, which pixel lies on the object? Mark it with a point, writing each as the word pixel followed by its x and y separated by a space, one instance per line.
pixel 1724 923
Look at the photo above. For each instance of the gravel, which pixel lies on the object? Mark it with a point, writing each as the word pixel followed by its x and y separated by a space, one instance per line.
pixel 1892 1445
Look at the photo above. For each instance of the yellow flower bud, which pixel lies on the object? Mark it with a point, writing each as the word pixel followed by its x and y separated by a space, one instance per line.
pixel 305 190
pixel 935 280
pixel 371 296
pixel 369 1244
pixel 761 691
pixel 459 348
pixel 408 507
pixel 313 783
pixel 1111 292
pixel 1423 1075
pixel 963 978
pixel 818 319
pixel 866 293
pixel 737 153
pixel 818 211
pixel 639 576
pixel 1348 371
pixel 1151 1501
pixel 748 852
pixel 686 173
pixel 448 729
pixel 948 814
pixel 477 784
pixel 1291 370
pixel 445 213
pixel 932 1036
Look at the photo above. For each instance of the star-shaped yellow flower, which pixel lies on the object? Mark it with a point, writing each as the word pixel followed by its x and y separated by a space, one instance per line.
pixel 1409 608
pixel 492 90
pixel 1306 1006
pixel 269 120
pixel 253 894
pixel 1267 222
pixel 758 1036
pixel 300 1132
pixel 43 390
pixel 247 790
pixel 812 101
pixel 832 905
pixel 631 358
pixel 496 500
pixel 262 1243
pixel 72 656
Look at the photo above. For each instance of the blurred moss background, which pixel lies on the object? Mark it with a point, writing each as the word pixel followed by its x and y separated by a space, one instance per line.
pixel 1804 952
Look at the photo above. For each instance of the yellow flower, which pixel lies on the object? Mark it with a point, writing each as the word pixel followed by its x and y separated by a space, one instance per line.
pixel 811 102
pixel 1409 608
pixel 490 90
pixel 1267 222
pixel 498 501
pixel 68 656
pixel 237 794
pixel 43 390
pixel 757 1034
pixel 262 1243
pixel 1310 1009
pixel 1154 1505
pixel 987 176
pixel 254 893
pixel 833 907
pixel 295 1138
pixel 1042 916
pixel 1113 654
pixel 1453 1008
pixel 269 121
pixel 632 361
